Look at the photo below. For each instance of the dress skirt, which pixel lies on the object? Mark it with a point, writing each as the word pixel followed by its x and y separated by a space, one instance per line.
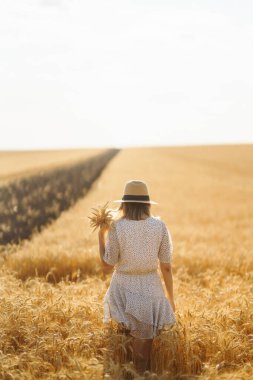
pixel 138 303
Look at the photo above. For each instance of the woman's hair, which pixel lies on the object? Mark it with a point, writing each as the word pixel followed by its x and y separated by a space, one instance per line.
pixel 135 210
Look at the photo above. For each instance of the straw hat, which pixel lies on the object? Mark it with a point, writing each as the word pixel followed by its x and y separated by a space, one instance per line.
pixel 136 191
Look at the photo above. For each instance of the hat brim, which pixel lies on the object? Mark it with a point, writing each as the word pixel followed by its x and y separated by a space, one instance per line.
pixel 132 201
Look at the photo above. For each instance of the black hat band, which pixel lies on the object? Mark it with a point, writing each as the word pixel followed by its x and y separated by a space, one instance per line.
pixel 136 198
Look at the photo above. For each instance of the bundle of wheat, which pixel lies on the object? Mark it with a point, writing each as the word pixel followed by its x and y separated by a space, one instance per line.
pixel 102 217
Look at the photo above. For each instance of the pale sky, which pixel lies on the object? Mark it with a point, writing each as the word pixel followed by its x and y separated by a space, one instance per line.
pixel 77 73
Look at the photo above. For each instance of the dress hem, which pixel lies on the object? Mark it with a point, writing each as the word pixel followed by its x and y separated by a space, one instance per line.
pixel 144 316
pixel 165 326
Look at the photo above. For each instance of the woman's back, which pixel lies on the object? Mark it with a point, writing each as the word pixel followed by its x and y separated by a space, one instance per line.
pixel 135 296
pixel 136 245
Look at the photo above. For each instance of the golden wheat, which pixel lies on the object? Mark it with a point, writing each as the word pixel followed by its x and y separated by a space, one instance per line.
pixel 52 287
pixel 16 164
pixel 101 217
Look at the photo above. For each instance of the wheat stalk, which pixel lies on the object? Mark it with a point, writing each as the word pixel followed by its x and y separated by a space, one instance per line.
pixel 101 217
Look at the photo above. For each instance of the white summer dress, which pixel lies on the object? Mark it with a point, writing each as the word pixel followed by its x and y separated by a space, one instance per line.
pixel 135 298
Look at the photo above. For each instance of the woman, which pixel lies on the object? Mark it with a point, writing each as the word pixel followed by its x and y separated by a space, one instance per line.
pixel 135 299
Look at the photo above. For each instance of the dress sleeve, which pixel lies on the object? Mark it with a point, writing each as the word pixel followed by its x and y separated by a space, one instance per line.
pixel 166 247
pixel 111 255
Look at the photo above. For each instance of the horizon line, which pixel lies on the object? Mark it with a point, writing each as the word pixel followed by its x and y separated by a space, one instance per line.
pixel 124 147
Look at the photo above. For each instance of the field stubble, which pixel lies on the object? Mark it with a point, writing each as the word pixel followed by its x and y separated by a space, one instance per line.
pixel 52 286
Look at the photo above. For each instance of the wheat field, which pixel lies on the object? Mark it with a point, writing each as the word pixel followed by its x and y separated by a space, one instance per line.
pixel 16 164
pixel 52 286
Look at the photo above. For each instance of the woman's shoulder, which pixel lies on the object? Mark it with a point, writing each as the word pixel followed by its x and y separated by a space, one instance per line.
pixel 152 219
pixel 154 224
pixel 157 218
pixel 158 221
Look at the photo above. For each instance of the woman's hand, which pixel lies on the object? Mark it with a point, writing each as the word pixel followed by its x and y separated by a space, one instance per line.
pixel 103 229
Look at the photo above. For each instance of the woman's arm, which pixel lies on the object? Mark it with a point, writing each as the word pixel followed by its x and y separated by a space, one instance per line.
pixel 107 268
pixel 166 270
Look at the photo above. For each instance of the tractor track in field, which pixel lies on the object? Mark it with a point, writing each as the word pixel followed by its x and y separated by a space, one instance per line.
pixel 29 203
